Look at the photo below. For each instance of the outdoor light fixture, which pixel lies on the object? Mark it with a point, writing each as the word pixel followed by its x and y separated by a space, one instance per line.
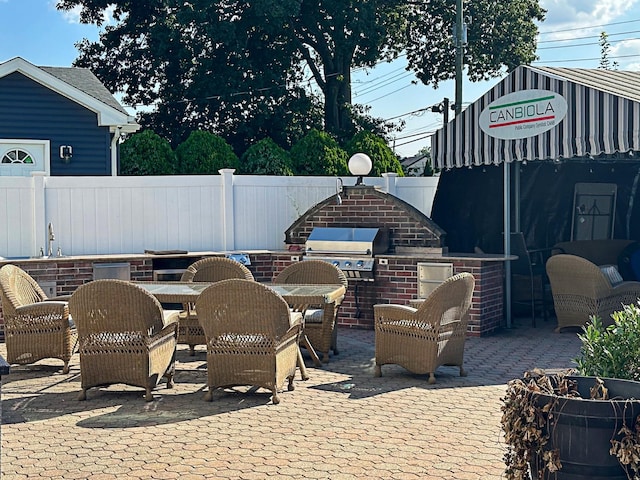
pixel 360 165
pixel 66 152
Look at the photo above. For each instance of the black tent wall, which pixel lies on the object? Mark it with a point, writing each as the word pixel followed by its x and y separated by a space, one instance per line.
pixel 468 203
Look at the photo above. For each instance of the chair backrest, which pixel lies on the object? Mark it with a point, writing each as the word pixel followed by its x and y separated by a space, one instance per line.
pixel 573 275
pixel 312 272
pixel 115 306
pixel 18 289
pixel 214 269
pixel 449 302
pixel 239 306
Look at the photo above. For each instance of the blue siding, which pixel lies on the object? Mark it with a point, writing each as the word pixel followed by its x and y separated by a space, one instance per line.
pixel 29 110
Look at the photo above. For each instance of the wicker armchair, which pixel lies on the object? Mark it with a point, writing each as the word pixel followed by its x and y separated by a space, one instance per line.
pixel 34 326
pixel 252 336
pixel 123 337
pixel 211 269
pixel 581 289
pixel 422 339
pixel 320 320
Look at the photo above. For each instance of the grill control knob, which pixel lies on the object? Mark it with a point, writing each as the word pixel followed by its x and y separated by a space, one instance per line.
pixel 335 263
pixel 347 263
pixel 360 264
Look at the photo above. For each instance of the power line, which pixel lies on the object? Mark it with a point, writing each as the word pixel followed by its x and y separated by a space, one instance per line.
pixel 587 37
pixel 585 59
pixel 562 30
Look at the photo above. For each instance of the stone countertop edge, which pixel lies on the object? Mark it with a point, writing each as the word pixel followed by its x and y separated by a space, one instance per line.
pixel 128 256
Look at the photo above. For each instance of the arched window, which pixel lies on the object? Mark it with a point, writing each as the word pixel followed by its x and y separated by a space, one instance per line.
pixel 17 155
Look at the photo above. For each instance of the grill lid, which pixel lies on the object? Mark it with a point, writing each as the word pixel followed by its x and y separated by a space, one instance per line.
pixel 347 241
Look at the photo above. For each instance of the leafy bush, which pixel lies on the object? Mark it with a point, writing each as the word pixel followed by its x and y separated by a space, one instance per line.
pixel 382 157
pixel 205 153
pixel 146 153
pixel 266 158
pixel 612 351
pixel 317 153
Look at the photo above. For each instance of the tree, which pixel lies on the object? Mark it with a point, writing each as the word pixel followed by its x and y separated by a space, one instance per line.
pixel 319 154
pixel 204 153
pixel 266 158
pixel 146 153
pixel 382 157
pixel 219 64
pixel 605 51
pixel 424 160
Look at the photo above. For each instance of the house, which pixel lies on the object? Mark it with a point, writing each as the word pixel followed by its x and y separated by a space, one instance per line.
pixel 58 120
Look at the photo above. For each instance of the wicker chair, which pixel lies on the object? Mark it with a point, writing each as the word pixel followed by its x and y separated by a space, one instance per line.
pixel 320 321
pixel 422 339
pixel 35 327
pixel 211 269
pixel 581 289
pixel 123 336
pixel 252 336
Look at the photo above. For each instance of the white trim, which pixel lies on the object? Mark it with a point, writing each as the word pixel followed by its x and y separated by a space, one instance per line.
pixel 107 115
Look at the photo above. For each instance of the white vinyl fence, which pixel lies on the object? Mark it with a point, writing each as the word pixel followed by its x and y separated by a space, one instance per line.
pixel 114 215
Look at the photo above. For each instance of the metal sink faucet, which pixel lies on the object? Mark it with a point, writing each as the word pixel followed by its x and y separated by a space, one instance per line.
pixel 52 237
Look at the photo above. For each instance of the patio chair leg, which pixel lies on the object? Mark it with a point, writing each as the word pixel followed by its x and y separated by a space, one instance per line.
pixel 209 395
pixel 463 372
pixel 83 394
pixel 325 357
pixel 192 350
pixel 432 379
pixel 378 371
pixel 170 382
pixel 148 396
pixel 275 398
pixel 291 387
pixel 65 369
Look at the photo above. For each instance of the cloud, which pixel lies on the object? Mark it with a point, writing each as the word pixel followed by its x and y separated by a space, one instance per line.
pixel 592 15
pixel 621 52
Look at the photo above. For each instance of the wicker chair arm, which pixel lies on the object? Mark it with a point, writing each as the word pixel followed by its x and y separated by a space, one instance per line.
pixel 171 316
pixel 168 331
pixel 626 288
pixel 60 309
pixel 390 313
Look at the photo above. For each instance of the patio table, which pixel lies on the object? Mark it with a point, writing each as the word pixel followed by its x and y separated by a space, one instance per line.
pixel 298 296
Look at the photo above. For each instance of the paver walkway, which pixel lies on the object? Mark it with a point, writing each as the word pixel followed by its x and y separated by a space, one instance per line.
pixel 343 423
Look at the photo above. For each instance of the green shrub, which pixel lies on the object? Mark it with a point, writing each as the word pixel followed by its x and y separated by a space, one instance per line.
pixel 266 158
pixel 612 351
pixel 382 157
pixel 317 153
pixel 205 153
pixel 146 153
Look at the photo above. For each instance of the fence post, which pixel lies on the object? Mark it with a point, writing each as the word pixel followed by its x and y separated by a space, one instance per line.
pixel 39 218
pixel 390 179
pixel 228 208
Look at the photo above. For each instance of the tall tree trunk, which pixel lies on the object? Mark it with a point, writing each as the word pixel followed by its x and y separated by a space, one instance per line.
pixel 337 97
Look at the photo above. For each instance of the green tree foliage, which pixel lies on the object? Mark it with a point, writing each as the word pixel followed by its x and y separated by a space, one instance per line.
pixel 605 53
pixel 204 153
pixel 318 153
pixel 220 65
pixel 266 158
pixel 146 153
pixel 424 154
pixel 501 35
pixel 382 157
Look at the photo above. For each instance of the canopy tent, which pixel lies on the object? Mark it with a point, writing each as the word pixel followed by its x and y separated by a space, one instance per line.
pixel 601 127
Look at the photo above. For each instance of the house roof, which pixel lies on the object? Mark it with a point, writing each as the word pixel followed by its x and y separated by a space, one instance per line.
pixel 602 112
pixel 79 85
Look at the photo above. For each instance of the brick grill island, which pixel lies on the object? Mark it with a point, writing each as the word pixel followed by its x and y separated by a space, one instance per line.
pixel 413 238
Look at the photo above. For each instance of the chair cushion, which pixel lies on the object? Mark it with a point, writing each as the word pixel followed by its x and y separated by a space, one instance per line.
pixel 612 274
pixel 313 315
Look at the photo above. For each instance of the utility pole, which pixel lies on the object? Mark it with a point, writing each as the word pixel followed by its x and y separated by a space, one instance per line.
pixel 459 44
pixel 443 108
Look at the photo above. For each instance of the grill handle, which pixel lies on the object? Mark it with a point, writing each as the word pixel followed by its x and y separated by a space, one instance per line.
pixel 338 252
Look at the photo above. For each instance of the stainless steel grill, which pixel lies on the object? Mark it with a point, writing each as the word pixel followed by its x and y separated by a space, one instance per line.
pixel 350 249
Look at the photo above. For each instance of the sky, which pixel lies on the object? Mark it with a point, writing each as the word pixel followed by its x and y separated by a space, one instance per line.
pixel 42 35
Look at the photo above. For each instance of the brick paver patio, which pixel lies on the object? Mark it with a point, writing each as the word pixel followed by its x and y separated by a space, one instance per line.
pixel 342 423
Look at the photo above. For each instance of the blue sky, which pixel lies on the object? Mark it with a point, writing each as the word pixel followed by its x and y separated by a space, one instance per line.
pixel 42 35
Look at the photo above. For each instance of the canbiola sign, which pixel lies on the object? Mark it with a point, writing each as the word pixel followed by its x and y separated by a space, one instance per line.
pixel 523 114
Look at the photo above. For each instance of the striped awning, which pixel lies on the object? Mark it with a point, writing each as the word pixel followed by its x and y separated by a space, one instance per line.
pixel 603 119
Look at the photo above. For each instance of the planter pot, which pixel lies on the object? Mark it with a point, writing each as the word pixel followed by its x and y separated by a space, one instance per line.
pixel 582 429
